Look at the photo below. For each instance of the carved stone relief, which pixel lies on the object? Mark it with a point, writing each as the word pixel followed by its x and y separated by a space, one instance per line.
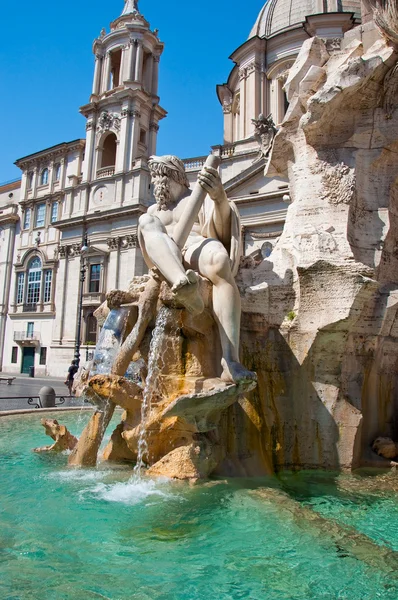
pixel 108 121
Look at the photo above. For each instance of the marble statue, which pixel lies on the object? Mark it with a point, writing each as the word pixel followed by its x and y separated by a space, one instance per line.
pixel 168 353
pixel 210 247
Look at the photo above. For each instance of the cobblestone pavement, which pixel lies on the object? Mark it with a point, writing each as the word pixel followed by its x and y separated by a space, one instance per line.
pixel 14 396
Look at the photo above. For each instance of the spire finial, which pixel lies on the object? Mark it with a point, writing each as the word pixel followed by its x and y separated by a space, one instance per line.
pixel 130 6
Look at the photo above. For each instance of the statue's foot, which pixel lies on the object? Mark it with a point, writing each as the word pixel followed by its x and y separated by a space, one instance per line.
pixel 235 372
pixel 186 291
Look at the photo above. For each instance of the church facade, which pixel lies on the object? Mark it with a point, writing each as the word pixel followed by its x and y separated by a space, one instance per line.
pixel 68 229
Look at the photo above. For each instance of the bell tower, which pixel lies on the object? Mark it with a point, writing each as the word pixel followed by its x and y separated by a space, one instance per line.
pixel 124 111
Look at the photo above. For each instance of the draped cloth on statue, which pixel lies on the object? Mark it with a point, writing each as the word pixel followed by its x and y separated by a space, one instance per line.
pixel 208 231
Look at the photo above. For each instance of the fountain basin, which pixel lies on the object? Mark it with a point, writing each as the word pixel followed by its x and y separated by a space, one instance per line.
pixel 90 533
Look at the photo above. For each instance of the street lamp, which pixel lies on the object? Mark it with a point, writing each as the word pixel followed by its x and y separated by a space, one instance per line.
pixel 83 269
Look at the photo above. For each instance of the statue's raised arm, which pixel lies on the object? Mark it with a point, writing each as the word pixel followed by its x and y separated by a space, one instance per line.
pixel 210 247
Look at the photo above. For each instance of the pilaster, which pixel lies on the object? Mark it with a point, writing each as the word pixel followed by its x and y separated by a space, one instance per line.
pixel 242 116
pixel 131 60
pixel 123 150
pixel 135 133
pixel 90 143
pixel 139 61
pixel 107 73
pixel 155 75
pixel 97 74
pixel 153 135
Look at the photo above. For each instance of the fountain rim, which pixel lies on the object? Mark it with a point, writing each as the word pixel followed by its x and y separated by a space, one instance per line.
pixel 40 411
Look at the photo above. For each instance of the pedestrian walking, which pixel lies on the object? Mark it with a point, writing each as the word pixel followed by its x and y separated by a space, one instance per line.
pixel 73 369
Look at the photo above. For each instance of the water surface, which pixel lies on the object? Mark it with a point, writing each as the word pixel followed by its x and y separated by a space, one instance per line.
pixel 91 533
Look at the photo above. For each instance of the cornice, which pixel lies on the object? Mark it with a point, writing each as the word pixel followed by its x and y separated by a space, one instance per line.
pixel 106 215
pixel 42 156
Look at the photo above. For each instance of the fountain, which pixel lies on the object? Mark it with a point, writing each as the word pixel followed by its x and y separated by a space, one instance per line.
pixel 320 329
pixel 169 348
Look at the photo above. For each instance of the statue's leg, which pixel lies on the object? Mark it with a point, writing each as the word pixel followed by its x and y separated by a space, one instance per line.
pixel 211 259
pixel 164 253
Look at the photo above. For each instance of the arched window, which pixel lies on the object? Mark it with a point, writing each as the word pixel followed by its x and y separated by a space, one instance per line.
pixel 44 177
pixel 34 285
pixel 108 158
pixel 34 281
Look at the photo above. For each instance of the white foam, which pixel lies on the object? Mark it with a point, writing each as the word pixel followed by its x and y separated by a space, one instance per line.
pixel 78 475
pixel 131 492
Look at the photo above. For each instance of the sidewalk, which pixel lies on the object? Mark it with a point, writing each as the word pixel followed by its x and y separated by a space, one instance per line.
pixel 24 386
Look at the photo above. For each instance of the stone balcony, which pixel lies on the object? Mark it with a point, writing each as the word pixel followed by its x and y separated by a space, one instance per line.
pixel 27 337
pixel 93 299
pixel 105 172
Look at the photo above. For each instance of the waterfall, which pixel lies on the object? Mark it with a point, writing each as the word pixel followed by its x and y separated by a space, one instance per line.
pixel 151 386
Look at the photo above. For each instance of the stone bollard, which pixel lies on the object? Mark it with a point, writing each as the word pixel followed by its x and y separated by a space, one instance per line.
pixel 47 397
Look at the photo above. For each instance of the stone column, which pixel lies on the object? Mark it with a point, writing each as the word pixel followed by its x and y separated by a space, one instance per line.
pixel 135 134
pixel 123 149
pixel 51 176
pixel 64 164
pixel 155 75
pixel 131 60
pixel 107 73
pixel 90 141
pixel 139 61
pixel 243 107
pixel 60 294
pixel 153 134
pixel 123 76
pixel 35 181
pixel 148 74
pixel 253 96
pixel 228 122
pixel 97 75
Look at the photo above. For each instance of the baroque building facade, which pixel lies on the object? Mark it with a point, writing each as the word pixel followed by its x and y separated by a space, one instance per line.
pixel 96 188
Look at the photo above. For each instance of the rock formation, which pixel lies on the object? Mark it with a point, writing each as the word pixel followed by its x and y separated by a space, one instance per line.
pixel 320 323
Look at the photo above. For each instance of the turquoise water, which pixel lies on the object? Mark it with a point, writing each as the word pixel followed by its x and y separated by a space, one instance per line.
pixel 87 534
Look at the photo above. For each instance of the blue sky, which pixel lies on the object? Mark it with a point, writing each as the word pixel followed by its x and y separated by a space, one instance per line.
pixel 46 70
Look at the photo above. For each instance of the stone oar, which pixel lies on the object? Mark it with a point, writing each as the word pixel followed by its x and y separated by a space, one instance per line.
pixel 193 206
pixel 86 451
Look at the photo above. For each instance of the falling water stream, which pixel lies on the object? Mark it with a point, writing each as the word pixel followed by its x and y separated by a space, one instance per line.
pixel 151 387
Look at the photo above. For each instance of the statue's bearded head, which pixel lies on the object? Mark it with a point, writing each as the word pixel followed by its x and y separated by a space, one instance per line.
pixel 164 171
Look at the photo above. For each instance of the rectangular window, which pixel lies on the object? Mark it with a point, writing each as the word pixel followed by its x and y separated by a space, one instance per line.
pixel 95 274
pixel 20 287
pixel 54 212
pixel 40 215
pixel 14 355
pixel 34 282
pixel 26 221
pixel 43 356
pixel 48 277
pixel 57 172
pixel 29 330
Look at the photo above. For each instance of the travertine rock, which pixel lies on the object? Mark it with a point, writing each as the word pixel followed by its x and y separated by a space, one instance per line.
pixel 320 322
pixel 196 461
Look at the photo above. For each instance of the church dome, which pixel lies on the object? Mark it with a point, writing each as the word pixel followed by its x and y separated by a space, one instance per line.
pixel 277 15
